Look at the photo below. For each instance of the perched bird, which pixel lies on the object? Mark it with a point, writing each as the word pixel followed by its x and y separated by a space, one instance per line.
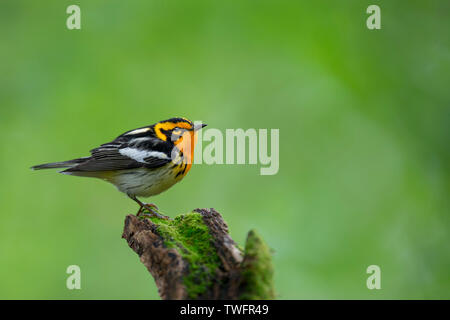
pixel 142 162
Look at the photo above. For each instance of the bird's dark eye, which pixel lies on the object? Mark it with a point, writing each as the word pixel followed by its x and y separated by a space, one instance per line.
pixel 177 133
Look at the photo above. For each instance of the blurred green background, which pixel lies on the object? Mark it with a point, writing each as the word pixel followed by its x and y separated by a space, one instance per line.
pixel 364 138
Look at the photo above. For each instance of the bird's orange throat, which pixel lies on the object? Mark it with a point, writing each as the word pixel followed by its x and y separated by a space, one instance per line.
pixel 186 144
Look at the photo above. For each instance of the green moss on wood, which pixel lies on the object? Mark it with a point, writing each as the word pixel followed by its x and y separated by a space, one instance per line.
pixel 190 237
pixel 257 268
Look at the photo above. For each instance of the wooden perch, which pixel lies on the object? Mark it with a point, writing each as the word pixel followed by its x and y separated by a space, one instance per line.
pixel 194 257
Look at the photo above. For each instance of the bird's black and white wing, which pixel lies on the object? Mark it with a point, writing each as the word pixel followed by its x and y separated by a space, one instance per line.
pixel 125 152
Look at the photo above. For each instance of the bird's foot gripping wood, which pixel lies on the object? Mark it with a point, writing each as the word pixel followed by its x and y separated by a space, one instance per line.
pixel 152 209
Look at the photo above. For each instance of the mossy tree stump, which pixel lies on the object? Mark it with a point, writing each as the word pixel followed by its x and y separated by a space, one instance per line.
pixel 193 257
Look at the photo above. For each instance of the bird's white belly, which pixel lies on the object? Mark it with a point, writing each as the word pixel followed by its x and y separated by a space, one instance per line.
pixel 144 182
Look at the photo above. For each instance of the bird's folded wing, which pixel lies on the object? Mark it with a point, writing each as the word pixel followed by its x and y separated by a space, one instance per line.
pixel 120 157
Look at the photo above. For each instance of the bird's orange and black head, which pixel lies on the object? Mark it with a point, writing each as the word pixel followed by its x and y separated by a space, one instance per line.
pixel 166 129
pixel 174 129
pixel 180 132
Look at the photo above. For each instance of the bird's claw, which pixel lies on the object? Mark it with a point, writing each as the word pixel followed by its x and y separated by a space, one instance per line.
pixel 153 213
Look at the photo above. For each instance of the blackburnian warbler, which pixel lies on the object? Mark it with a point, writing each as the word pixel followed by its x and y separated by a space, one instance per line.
pixel 142 162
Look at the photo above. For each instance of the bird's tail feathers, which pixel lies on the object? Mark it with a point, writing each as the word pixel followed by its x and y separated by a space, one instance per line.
pixel 62 164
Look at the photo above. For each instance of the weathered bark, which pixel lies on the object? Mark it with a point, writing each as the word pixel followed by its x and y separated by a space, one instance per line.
pixel 194 257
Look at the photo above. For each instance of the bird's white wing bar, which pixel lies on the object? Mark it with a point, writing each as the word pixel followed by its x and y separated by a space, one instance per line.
pixel 137 131
pixel 139 155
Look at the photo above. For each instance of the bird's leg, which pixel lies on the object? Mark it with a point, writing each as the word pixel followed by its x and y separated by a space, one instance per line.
pixel 149 206
pixel 139 211
pixel 141 205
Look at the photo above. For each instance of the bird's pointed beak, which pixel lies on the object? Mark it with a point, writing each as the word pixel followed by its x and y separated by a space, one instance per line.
pixel 198 126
